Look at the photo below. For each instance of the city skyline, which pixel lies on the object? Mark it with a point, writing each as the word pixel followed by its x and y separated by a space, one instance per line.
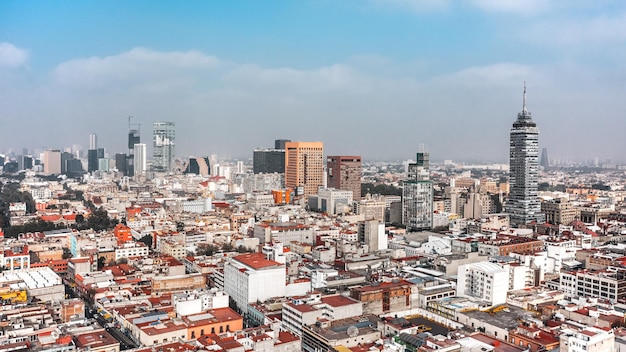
pixel 444 74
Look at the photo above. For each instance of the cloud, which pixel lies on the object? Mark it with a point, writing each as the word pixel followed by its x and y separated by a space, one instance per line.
pixel 355 107
pixel 138 65
pixel 526 7
pixel 578 33
pixel 11 56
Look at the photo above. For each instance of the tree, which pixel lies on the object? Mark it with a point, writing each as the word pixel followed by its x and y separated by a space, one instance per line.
pixel 382 189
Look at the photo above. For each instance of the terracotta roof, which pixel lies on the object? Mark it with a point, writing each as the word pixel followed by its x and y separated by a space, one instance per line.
pixel 256 261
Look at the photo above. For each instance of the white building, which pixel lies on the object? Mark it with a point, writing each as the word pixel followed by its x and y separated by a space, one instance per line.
pixel 140 161
pixel 131 249
pixel 588 339
pixel 372 233
pixel 331 201
pixel 485 281
pixel 296 314
pixel 252 277
pixel 188 303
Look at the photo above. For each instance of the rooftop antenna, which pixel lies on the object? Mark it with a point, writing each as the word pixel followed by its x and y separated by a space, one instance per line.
pixel 524 110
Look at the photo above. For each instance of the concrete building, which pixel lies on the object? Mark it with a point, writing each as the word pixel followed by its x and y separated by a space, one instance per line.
pixel 331 201
pixel 384 297
pixel 344 172
pixel 140 162
pixel 587 339
pixel 40 283
pixel 559 211
pixel 284 232
pixel 163 146
pixel 371 207
pixel 372 233
pixel 417 196
pixel 348 333
pixel 52 162
pixel 485 281
pixel 523 205
pixel 298 313
pixel 304 167
pixel 246 279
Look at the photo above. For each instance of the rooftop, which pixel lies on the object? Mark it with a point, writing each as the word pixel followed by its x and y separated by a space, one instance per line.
pixel 256 261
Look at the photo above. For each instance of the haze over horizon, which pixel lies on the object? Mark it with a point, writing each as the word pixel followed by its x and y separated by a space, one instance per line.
pixel 376 78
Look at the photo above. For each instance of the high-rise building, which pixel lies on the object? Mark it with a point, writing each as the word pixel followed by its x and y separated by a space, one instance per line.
pixel 92 160
pixel 52 162
pixel 344 172
pixel 198 166
pixel 523 204
pixel 121 163
pixel 93 141
pixel 304 167
pixel 417 195
pixel 544 162
pixel 27 162
pixel 267 161
pixel 140 159
pixel 65 156
pixel 133 138
pixel 280 143
pixel 164 146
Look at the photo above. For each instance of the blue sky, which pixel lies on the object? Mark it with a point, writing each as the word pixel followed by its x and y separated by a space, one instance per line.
pixel 370 77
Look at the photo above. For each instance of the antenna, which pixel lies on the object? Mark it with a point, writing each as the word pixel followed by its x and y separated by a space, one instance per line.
pixel 524 110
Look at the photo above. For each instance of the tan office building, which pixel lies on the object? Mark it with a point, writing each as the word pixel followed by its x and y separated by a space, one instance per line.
pixel 304 166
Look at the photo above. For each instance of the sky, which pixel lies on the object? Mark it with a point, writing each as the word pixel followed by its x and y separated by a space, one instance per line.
pixel 376 78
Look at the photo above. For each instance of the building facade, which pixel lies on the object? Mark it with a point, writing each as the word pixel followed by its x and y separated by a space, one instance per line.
pixel 140 162
pixel 417 196
pixel 484 280
pixel 304 167
pixel 523 204
pixel 246 279
pixel 267 161
pixel 344 172
pixel 164 146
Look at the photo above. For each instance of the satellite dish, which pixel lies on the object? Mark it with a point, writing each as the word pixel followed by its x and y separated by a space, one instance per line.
pixel 353 331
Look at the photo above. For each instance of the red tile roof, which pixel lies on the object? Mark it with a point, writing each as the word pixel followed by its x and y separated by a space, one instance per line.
pixel 256 261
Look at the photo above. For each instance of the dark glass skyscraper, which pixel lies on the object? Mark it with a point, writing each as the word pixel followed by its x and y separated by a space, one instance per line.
pixel 523 204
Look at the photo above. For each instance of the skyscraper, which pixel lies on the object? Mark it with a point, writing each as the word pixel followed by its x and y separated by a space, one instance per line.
pixel 344 172
pixel 134 137
pixel 52 162
pixel 267 161
pixel 93 141
pixel 198 166
pixel 304 166
pixel 545 162
pixel 523 204
pixel 139 162
pixel 417 195
pixel 164 146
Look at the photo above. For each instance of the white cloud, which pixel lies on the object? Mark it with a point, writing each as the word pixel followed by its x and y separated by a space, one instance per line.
pixel 579 33
pixel 522 7
pixel 354 107
pixel 135 66
pixel 11 56
pixel 494 75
